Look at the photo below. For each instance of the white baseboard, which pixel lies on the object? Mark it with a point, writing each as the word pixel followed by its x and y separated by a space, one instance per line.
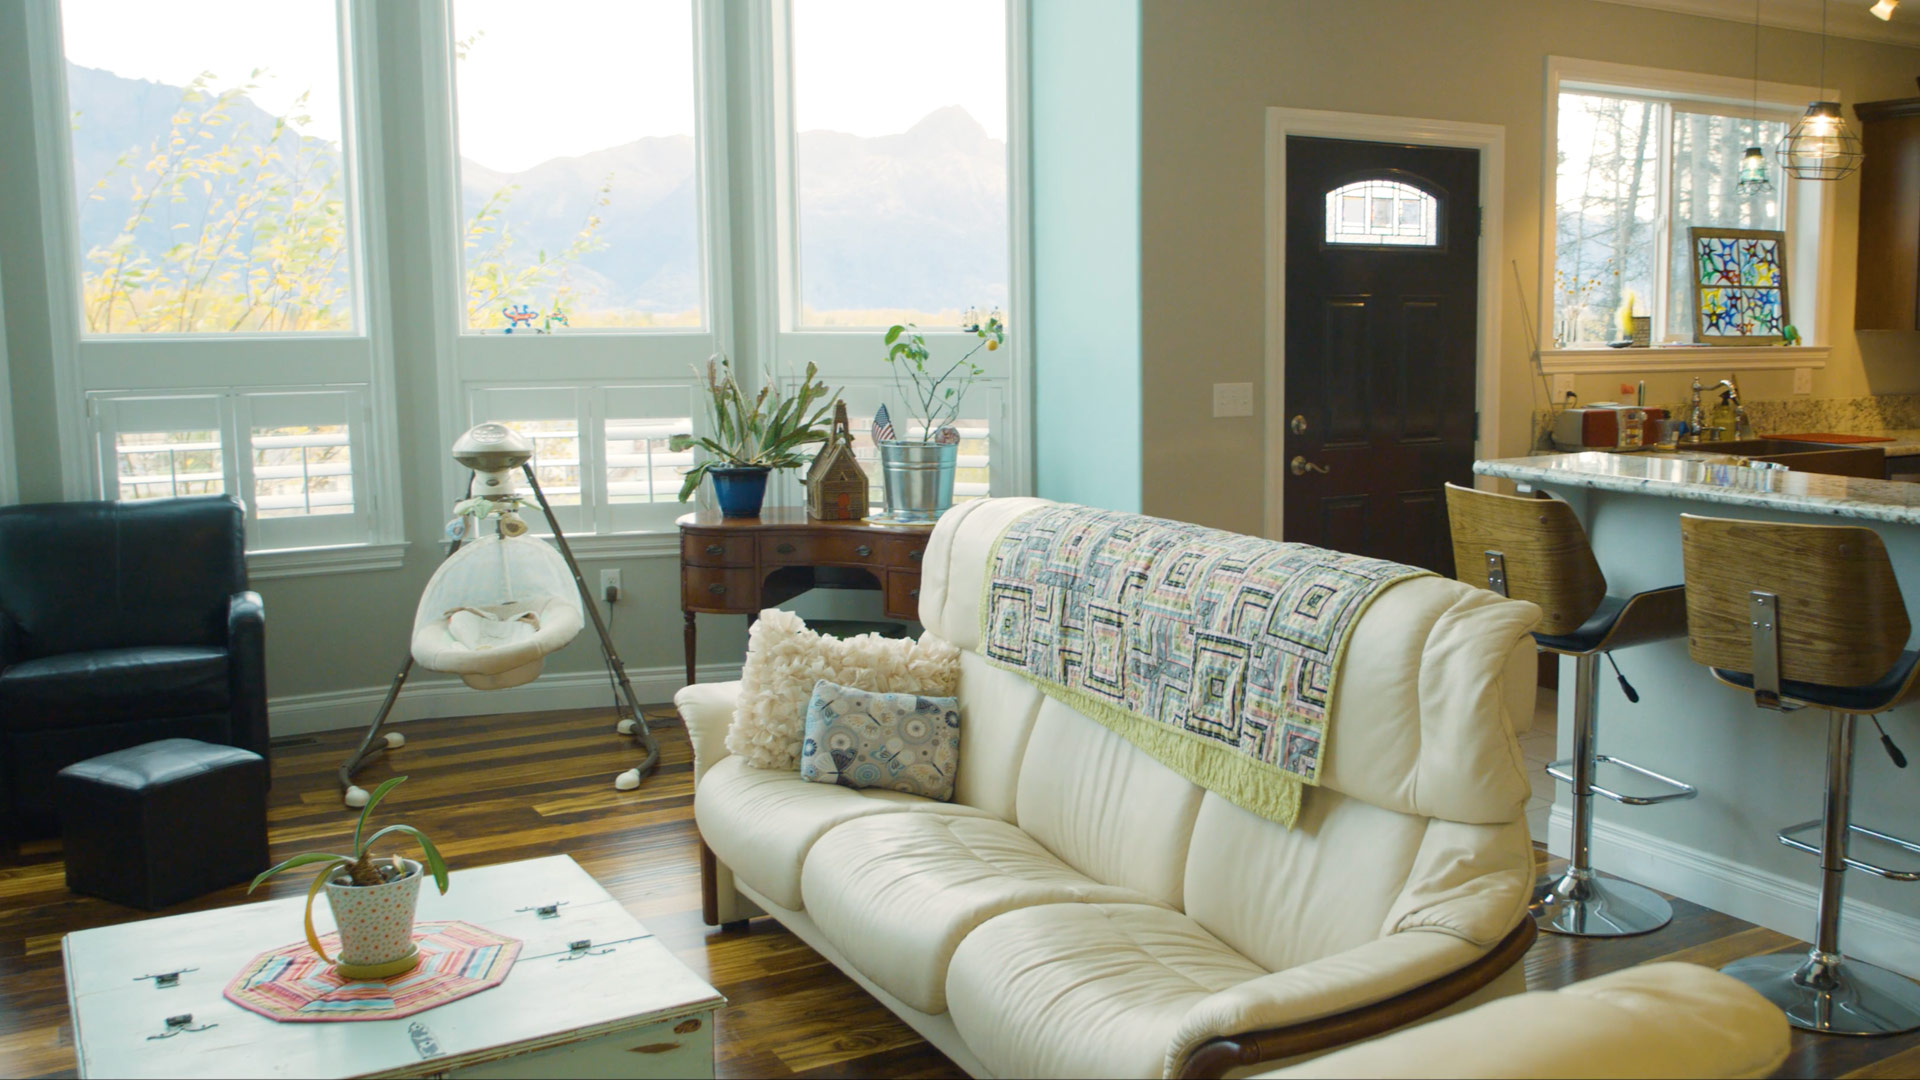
pixel 1784 905
pixel 437 696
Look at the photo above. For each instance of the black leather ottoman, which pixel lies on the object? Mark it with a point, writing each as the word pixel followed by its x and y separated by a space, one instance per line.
pixel 164 822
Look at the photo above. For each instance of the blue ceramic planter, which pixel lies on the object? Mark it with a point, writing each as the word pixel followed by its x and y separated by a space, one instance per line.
pixel 740 488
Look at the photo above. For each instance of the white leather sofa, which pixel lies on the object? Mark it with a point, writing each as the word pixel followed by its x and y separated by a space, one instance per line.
pixel 1080 910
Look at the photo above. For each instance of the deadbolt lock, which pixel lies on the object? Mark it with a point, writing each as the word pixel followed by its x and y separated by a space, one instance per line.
pixel 1297 425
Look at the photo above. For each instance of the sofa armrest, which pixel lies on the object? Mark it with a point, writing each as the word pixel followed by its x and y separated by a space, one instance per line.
pixel 1336 1000
pixel 707 710
pixel 1656 1020
pixel 247 670
pixel 9 640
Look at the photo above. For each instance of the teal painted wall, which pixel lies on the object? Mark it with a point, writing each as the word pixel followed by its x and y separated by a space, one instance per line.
pixel 1086 250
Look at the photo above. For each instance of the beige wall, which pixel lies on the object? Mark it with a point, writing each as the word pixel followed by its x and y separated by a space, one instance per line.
pixel 1211 68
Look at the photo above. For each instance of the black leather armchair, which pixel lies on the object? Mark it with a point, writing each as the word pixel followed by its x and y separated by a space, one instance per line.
pixel 122 623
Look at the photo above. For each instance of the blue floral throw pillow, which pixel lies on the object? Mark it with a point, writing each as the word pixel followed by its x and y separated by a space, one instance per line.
pixel 900 742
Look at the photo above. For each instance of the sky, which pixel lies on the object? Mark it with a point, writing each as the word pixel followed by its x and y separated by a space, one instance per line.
pixel 556 78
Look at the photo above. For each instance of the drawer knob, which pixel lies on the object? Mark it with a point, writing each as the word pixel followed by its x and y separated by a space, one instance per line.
pixel 716 589
pixel 914 555
pixel 785 549
pixel 863 551
pixel 914 592
pixel 715 549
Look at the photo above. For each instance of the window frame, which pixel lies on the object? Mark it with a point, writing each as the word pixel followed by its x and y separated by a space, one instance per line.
pixel 87 366
pixel 588 359
pixel 855 355
pixel 1809 215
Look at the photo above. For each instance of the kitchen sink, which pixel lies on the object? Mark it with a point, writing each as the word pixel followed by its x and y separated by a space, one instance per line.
pixel 1759 447
pixel 1834 460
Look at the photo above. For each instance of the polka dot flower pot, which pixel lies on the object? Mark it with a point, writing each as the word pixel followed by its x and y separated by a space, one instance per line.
pixel 376 924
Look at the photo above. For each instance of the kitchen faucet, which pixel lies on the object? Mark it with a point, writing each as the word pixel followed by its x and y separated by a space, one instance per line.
pixel 1742 427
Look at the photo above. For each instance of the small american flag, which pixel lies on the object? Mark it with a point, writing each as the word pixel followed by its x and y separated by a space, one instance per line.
pixel 882 426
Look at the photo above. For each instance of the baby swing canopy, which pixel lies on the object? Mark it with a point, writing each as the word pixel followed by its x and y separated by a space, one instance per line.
pixel 494 610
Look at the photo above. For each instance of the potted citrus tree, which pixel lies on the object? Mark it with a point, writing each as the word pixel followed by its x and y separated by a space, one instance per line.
pixel 366 893
pixel 918 473
pixel 750 440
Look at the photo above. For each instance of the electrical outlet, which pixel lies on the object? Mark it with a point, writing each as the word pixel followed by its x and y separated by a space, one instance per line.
pixel 1233 399
pixel 1562 386
pixel 1803 380
pixel 610 585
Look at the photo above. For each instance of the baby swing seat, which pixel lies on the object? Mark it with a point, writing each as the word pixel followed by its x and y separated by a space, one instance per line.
pixel 494 610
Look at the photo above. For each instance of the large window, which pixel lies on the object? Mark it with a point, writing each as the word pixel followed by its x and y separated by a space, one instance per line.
pixel 1634 168
pixel 900 182
pixel 208 168
pixel 227 329
pixel 579 179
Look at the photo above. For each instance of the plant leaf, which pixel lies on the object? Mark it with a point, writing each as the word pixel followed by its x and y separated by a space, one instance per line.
pixel 373 800
pixel 435 863
pixel 304 859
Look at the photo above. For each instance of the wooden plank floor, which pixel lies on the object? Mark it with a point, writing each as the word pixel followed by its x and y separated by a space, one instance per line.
pixel 495 789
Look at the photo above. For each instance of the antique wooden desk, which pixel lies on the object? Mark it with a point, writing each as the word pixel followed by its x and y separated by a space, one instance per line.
pixel 737 566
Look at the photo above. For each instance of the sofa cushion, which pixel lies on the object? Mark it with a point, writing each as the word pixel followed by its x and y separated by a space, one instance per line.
pixel 898 893
pixel 1084 989
pixel 113 686
pixel 1339 869
pixel 900 742
pixel 761 822
pixel 1104 806
pixel 998 709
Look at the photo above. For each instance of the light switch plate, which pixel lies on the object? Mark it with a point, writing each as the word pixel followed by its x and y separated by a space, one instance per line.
pixel 1233 399
pixel 1803 380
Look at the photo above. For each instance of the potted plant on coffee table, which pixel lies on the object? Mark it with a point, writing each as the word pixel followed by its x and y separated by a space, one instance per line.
pixel 373 899
pixel 750 440
pixel 918 473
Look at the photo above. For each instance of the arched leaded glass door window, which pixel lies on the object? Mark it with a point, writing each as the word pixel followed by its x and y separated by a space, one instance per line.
pixel 1382 212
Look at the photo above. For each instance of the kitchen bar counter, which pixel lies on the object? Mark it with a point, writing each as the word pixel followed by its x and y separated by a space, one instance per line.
pixel 1671 476
pixel 1756 770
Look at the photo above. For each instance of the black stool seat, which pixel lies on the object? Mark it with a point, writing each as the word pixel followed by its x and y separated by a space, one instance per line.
pixel 163 822
pixel 1881 694
pixel 1620 621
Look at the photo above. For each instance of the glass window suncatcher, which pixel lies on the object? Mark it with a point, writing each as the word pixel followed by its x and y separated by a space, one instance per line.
pixel 1739 285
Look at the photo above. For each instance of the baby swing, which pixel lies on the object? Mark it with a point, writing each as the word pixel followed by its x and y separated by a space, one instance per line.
pixel 498 605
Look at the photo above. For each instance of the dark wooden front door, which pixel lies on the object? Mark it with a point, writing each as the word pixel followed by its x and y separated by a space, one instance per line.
pixel 1380 323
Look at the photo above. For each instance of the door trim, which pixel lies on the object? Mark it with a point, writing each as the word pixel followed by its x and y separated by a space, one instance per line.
pixel 1491 142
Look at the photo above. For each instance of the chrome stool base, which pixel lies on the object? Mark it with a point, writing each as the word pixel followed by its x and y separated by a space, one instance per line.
pixel 1584 903
pixel 1829 994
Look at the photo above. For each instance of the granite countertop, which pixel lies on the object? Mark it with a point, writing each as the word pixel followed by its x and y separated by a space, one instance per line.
pixel 1905 442
pixel 1671 477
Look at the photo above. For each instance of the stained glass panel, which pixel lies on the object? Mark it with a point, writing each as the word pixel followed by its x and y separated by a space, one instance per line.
pixel 1377 212
pixel 1740 284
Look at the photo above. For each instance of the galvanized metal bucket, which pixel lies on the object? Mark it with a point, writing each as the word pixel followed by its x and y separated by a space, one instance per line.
pixel 918 478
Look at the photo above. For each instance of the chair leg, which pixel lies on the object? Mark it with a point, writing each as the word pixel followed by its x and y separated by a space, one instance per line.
pixel 1823 991
pixel 1582 902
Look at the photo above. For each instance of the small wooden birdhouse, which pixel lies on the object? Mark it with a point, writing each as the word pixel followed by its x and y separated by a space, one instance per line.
pixel 836 485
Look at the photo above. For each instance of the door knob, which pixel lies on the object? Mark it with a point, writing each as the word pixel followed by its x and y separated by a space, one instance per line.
pixel 1300 466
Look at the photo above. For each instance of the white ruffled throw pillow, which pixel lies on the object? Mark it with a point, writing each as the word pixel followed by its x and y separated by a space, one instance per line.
pixel 785 660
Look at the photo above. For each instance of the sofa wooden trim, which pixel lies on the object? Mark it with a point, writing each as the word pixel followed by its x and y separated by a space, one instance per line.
pixel 1216 1056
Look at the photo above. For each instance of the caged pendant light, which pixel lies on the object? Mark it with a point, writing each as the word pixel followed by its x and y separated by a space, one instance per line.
pixel 1821 145
pixel 1754 181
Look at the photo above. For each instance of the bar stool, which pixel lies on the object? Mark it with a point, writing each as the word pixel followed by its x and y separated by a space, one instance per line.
pixel 1535 549
pixel 1811 616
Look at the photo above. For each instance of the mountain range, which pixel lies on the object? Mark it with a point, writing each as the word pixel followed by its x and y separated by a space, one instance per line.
pixel 914 220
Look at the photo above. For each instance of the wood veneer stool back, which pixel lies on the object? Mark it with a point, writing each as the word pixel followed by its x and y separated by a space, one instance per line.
pixel 1842 620
pixel 1548 558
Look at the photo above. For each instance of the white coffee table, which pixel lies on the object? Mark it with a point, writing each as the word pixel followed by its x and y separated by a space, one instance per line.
pixel 625 1006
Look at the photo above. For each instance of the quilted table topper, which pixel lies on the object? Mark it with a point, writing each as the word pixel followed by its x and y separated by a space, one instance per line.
pixel 291 984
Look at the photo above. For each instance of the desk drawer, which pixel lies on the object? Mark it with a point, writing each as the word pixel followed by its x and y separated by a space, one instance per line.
pixel 903 595
pixel 904 551
pixel 821 550
pixel 712 549
pixel 711 589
